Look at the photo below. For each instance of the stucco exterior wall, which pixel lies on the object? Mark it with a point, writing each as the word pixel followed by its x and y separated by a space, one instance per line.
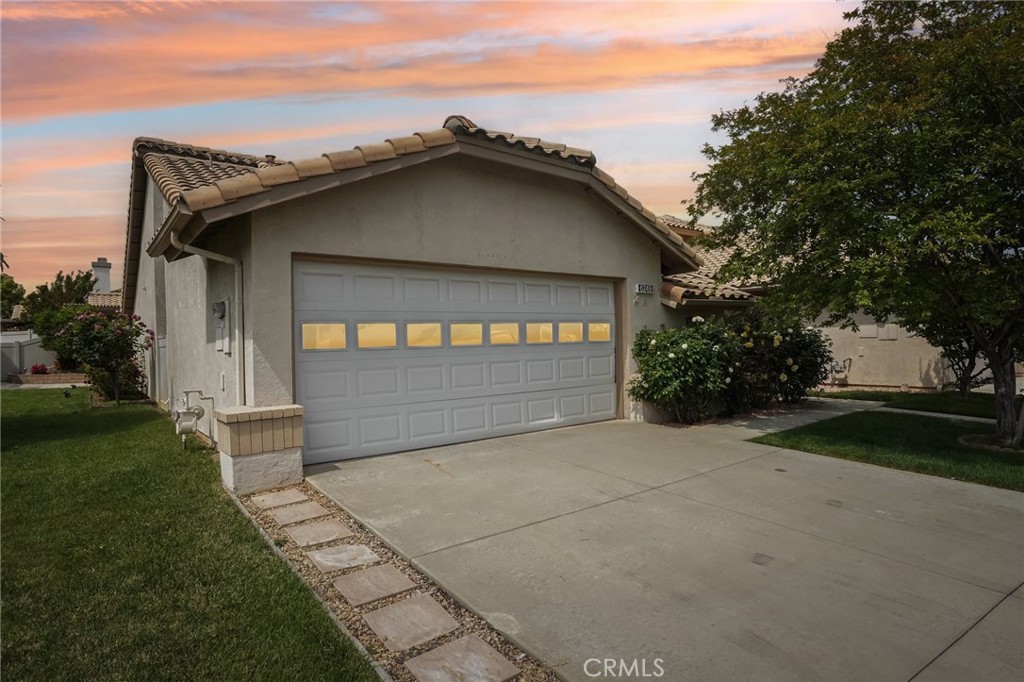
pixel 457 211
pixel 147 291
pixel 886 355
pixel 193 285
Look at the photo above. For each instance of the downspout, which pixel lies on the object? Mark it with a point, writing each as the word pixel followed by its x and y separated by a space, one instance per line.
pixel 239 341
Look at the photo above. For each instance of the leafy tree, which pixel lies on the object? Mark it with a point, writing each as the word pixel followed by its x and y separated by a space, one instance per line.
pixel 63 290
pixel 961 351
pixel 107 342
pixel 11 294
pixel 48 325
pixel 889 179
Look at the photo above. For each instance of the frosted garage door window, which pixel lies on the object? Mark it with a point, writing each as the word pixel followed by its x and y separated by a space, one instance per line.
pixel 321 336
pixel 377 335
pixel 599 331
pixel 423 334
pixel 539 332
pixel 504 333
pixel 570 332
pixel 467 334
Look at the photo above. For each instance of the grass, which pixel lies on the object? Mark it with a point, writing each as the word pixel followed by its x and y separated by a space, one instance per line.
pixel 925 445
pixel 946 402
pixel 123 558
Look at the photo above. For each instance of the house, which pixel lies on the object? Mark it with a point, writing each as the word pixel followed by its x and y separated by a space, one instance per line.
pixel 877 355
pixel 101 296
pixel 451 285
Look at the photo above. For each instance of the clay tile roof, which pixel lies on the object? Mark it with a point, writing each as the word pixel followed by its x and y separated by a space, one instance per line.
pixel 460 125
pixel 199 178
pixel 177 168
pixel 701 284
pixel 105 300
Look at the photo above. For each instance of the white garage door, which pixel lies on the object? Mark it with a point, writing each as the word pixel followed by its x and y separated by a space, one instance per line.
pixel 389 358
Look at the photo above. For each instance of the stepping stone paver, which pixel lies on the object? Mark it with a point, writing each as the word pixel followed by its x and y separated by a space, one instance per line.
pixel 298 512
pixel 317 532
pixel 342 556
pixel 410 622
pixel 469 659
pixel 279 498
pixel 371 584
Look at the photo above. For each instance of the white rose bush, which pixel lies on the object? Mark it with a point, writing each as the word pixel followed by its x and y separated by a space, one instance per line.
pixel 711 367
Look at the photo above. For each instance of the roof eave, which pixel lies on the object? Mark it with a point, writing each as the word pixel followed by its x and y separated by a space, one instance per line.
pixel 709 302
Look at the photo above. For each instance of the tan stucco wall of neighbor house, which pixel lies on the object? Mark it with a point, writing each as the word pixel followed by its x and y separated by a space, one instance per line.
pixel 886 355
pixel 456 211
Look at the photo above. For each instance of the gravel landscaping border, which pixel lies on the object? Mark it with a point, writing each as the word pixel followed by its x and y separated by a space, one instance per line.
pixel 351 617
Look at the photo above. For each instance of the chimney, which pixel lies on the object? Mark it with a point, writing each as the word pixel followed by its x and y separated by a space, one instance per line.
pixel 101 271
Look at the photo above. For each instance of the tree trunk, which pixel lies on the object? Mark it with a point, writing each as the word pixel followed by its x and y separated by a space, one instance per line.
pixel 1006 389
pixel 966 378
pixel 1018 434
pixel 117 387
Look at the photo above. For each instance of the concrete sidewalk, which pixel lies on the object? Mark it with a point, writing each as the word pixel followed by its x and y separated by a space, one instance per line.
pixel 726 560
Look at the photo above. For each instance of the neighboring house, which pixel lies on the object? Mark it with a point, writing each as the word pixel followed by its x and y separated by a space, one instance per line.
pixel 448 286
pixel 878 355
pixel 102 297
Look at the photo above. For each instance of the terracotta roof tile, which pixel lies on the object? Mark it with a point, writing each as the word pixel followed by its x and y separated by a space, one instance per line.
pixel 202 197
pixel 460 125
pixel 240 186
pixel 407 145
pixel 702 284
pixel 308 168
pixel 352 158
pixel 377 152
pixel 437 138
pixel 277 175
pixel 104 300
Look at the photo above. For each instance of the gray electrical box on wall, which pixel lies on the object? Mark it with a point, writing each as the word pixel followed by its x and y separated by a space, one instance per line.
pixel 221 315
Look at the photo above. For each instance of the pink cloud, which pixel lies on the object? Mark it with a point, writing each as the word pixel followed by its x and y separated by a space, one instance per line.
pixel 182 58
pixel 36 248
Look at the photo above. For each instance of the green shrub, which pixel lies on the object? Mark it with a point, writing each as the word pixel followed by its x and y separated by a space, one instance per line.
pixel 47 325
pixel 109 345
pixel 708 367
pixel 684 371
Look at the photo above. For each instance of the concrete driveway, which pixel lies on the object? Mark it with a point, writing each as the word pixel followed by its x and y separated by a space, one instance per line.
pixel 705 557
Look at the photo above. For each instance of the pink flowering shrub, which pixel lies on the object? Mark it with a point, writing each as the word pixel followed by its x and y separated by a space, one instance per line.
pixel 109 345
pixel 39 369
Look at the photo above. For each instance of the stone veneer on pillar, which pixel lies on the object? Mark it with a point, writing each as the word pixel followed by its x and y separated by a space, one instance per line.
pixel 260 447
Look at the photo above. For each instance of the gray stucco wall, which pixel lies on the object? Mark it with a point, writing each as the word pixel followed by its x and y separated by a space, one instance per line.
pixel 146 291
pixel 193 285
pixel 175 299
pixel 457 211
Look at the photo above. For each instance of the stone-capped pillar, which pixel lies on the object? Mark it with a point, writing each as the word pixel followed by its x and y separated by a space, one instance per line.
pixel 260 447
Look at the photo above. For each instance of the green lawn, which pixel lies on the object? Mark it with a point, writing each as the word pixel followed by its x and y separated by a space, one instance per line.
pixel 947 402
pixel 124 559
pixel 926 445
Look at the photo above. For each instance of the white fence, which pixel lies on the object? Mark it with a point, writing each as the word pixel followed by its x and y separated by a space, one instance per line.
pixel 21 350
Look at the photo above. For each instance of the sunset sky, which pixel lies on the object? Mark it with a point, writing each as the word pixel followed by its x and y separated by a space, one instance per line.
pixel 637 83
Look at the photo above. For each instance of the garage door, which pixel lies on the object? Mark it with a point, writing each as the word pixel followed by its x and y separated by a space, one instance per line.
pixel 389 358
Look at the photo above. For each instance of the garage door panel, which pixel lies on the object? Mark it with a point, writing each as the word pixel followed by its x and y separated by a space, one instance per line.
pixel 377 382
pixel 425 379
pixel 362 401
pixel 380 430
pixel 507 414
pixel 453 422
pixel 426 424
